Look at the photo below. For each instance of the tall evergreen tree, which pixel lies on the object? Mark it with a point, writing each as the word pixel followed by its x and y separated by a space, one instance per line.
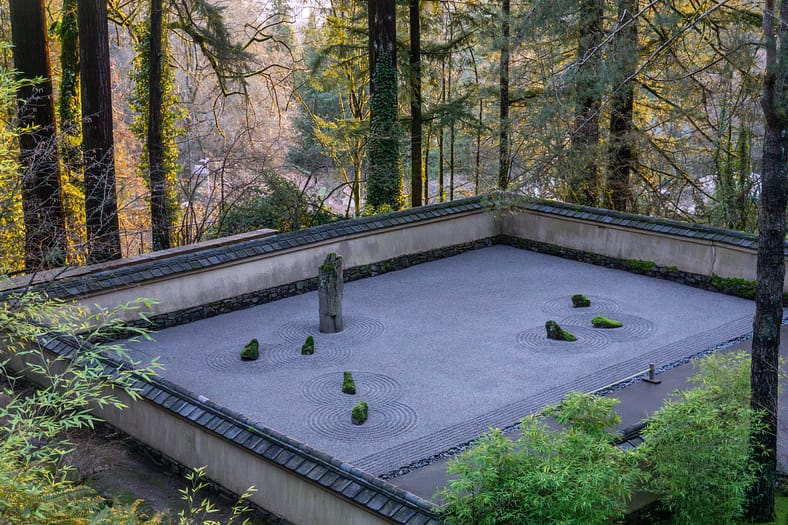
pixel 416 176
pixel 44 216
pixel 504 141
pixel 584 183
pixel 101 208
pixel 621 152
pixel 771 256
pixel 384 178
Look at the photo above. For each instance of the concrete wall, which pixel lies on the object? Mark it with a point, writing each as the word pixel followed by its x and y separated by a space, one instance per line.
pixel 697 256
pixel 189 289
pixel 279 491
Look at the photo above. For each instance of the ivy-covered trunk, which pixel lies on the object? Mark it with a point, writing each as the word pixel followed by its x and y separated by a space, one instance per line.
pixel 44 215
pixel 160 220
pixel 771 257
pixel 384 178
pixel 101 203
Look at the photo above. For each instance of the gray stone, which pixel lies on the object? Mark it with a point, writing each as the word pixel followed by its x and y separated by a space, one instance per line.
pixel 330 290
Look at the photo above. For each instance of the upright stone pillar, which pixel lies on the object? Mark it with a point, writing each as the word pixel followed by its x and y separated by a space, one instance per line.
pixel 330 289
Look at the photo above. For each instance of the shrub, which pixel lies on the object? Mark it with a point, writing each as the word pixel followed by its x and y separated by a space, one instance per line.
pixel 580 301
pixel 554 331
pixel 348 384
pixel 734 286
pixel 604 322
pixel 639 265
pixel 251 351
pixel 278 203
pixel 575 475
pixel 308 348
pixel 697 445
pixel 360 412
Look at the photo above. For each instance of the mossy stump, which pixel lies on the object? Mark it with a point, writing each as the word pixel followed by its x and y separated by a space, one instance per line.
pixel 604 322
pixel 360 413
pixel 308 348
pixel 580 301
pixel 554 331
pixel 251 351
pixel 348 384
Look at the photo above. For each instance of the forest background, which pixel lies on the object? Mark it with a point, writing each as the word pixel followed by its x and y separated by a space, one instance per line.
pixel 649 107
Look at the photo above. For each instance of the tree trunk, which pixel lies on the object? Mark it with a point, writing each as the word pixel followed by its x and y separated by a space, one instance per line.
pixel 415 105
pixel 101 208
pixel 384 178
pixel 382 35
pixel 583 180
pixel 69 105
pixel 160 218
pixel 42 203
pixel 621 153
pixel 771 266
pixel 503 137
pixel 441 138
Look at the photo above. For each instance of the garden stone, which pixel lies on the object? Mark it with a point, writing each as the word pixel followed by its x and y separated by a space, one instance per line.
pixel 330 291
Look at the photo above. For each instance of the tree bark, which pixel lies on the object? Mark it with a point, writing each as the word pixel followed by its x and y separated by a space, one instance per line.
pixel 101 208
pixel 42 202
pixel 771 266
pixel 621 152
pixel 384 176
pixel 584 177
pixel 415 104
pixel 160 219
pixel 382 34
pixel 503 136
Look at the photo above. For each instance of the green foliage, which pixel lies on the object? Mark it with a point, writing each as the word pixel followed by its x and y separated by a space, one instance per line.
pixel 580 301
pixel 734 286
pixel 250 351
pixel 603 322
pixel 196 511
pixel 34 488
pixel 575 475
pixel 554 331
pixel 308 348
pixel 348 384
pixel 639 265
pixel 280 205
pixel 384 174
pixel 697 445
pixel 359 413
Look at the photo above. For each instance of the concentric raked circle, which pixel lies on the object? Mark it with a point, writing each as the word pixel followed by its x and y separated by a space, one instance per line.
pixel 230 360
pixel 563 305
pixel 634 328
pixel 289 355
pixel 371 387
pixel 588 339
pixel 357 329
pixel 385 420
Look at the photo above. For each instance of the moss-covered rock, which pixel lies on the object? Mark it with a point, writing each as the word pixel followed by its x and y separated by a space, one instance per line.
pixel 554 331
pixel 308 348
pixel 348 384
pixel 251 351
pixel 360 412
pixel 580 301
pixel 604 322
